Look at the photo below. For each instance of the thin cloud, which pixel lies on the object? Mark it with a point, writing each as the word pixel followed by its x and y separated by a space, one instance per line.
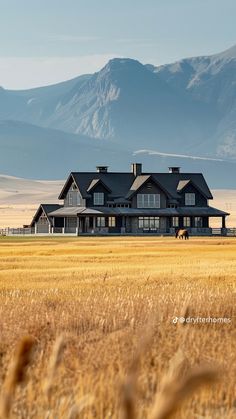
pixel 135 41
pixel 182 156
pixel 74 38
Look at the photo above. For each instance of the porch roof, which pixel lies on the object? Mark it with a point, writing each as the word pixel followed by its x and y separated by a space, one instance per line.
pixel 183 211
pixel 67 211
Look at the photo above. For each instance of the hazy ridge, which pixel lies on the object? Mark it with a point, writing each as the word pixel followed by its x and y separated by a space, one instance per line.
pixel 185 108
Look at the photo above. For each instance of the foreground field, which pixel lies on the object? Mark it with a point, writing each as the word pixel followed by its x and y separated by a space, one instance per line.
pixel 113 301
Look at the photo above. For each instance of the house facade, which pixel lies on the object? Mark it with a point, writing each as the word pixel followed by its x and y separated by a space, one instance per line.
pixel 134 202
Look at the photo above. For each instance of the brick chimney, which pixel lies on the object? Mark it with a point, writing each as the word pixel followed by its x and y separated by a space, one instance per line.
pixel 102 169
pixel 136 169
pixel 174 169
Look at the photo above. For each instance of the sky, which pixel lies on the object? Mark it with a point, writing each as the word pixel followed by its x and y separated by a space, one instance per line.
pixel 48 41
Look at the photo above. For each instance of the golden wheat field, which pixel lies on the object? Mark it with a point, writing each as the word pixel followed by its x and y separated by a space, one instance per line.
pixel 87 328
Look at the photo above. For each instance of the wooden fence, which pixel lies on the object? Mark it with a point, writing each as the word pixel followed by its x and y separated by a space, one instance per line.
pixel 26 231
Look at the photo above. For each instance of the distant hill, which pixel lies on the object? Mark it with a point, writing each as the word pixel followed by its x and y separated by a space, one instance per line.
pixel 34 152
pixel 185 108
pixel 15 190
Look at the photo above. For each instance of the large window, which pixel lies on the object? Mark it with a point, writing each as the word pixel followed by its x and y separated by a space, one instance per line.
pixel 111 221
pixel 190 199
pixel 175 221
pixel 148 200
pixel 98 198
pixel 149 222
pixel 187 222
pixel 70 199
pixel 198 221
pixel 101 222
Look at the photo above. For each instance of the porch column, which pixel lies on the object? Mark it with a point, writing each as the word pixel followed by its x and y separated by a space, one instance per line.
pixel 35 228
pixel 86 224
pixel 123 224
pixel 63 229
pixel 77 226
pixel 223 221
pixel 94 223
pixel 53 225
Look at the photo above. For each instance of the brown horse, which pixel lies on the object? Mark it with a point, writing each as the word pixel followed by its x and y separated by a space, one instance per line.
pixel 182 234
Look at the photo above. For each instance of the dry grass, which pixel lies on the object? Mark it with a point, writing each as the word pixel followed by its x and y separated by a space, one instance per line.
pixel 86 303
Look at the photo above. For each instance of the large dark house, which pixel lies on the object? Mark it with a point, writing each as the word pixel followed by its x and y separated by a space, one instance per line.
pixel 134 202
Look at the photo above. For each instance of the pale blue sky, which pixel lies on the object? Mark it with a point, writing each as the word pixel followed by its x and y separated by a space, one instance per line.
pixel 46 41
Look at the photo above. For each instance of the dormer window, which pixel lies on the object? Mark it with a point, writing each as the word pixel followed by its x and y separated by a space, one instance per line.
pixel 189 199
pixel 98 198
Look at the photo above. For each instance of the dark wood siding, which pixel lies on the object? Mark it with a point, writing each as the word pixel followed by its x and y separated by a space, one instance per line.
pixel 200 200
pixel 98 188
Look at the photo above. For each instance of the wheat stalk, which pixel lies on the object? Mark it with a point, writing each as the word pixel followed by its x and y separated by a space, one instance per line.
pixel 54 362
pixel 129 387
pixel 174 388
pixel 16 374
pixel 78 407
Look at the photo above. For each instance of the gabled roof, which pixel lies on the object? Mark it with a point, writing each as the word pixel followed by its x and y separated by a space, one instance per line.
pixel 123 184
pixel 46 208
pixel 182 184
pixel 67 185
pixel 117 182
pixel 170 182
pixel 138 182
pixel 96 182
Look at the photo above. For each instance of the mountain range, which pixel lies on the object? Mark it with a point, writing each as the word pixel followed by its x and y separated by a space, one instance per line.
pixel 180 114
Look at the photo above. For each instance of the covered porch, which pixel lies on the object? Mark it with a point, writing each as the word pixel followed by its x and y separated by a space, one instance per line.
pixel 79 221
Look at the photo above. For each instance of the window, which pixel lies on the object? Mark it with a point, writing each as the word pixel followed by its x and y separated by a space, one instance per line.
pixel 187 222
pixel 79 199
pixel 43 219
pixel 98 198
pixel 175 221
pixel 148 200
pixel 198 221
pixel 149 222
pixel 70 199
pixel 190 199
pixel 111 221
pixel 101 222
